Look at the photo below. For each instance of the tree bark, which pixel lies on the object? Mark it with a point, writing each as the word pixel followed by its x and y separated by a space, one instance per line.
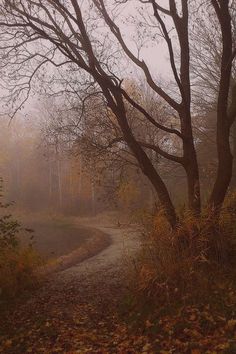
pixel 189 151
pixel 225 167
pixel 225 158
pixel 149 170
pixel 194 198
pixel 191 164
pixel 144 162
pixel 233 184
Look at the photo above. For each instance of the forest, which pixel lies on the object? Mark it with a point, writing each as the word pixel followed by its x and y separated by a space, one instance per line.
pixel 118 176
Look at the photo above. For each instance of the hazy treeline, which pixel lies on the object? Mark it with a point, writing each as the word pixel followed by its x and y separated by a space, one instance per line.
pixel 108 115
pixel 46 167
pixel 43 172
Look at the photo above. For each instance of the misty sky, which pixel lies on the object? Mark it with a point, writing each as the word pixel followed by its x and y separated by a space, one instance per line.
pixel 155 55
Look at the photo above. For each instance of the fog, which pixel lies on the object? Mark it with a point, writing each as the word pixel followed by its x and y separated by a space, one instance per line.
pixel 117 176
pixel 44 173
pixel 39 175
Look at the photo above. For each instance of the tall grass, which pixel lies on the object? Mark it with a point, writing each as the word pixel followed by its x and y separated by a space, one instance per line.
pixel 18 271
pixel 18 265
pixel 188 263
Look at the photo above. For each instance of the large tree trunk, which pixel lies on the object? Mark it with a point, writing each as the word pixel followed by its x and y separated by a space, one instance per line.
pixel 151 173
pixel 225 167
pixel 233 184
pixel 232 112
pixel 193 182
pixel 144 161
pixel 59 181
pixel 190 162
pixel 225 159
pixel 189 152
pixel 50 181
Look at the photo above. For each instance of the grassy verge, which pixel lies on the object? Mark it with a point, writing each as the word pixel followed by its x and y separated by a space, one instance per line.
pixel 95 244
pixel 18 265
pixel 18 271
pixel 183 285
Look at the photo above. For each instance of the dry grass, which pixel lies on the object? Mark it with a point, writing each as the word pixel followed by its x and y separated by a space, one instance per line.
pixel 187 264
pixel 17 271
pixel 98 242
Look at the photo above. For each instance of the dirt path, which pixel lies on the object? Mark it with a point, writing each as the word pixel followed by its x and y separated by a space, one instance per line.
pixel 124 243
pixel 76 310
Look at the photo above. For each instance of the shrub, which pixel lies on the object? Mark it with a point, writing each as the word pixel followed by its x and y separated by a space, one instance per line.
pixel 183 265
pixel 17 264
pixel 9 228
pixel 17 271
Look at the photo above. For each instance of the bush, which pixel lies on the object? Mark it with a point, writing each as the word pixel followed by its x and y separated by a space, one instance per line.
pixel 183 286
pixel 9 228
pixel 17 271
pixel 190 262
pixel 17 265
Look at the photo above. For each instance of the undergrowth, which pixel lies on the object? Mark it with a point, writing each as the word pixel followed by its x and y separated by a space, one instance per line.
pixel 186 262
pixel 18 264
pixel 183 283
pixel 17 271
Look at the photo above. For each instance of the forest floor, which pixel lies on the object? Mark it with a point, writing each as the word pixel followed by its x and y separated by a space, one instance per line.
pixel 86 309
pixel 76 310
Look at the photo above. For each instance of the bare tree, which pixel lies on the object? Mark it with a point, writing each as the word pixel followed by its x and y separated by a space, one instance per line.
pixel 206 48
pixel 62 33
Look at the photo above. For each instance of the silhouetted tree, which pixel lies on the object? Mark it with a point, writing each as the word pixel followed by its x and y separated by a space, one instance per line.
pixel 68 33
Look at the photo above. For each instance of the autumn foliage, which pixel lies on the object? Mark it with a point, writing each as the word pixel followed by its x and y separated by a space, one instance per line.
pixel 18 264
pixel 187 262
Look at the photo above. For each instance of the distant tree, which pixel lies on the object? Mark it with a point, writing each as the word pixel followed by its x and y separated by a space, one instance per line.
pixel 68 34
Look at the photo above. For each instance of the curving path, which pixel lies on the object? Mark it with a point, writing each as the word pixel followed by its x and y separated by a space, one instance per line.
pixel 124 243
pixel 76 311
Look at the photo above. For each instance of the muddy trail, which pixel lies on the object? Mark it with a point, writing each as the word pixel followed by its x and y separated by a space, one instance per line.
pixel 78 310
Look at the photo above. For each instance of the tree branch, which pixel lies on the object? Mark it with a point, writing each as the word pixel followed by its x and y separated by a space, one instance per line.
pixel 141 64
pixel 150 118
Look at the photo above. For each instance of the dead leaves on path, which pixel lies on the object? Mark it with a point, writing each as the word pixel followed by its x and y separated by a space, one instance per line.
pixel 81 331
pixel 193 331
pixel 79 328
pixel 71 322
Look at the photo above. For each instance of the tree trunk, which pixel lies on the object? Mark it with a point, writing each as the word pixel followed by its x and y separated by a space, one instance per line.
pixel 50 181
pixel 191 163
pixel 80 177
pixel 58 168
pixel 144 162
pixel 193 182
pixel 93 198
pixel 232 114
pixel 225 159
pixel 234 155
pixel 59 182
pixel 149 171
pixel 225 167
